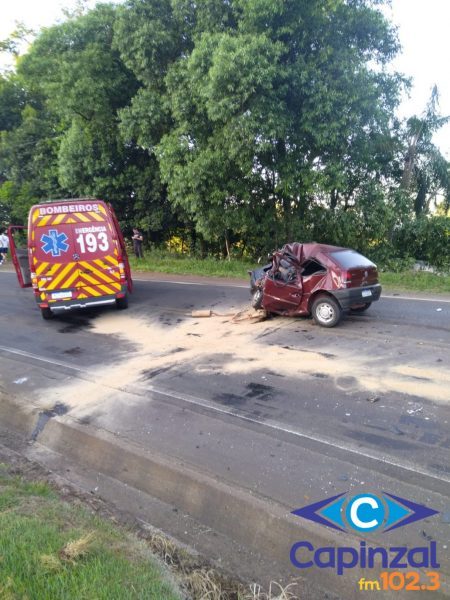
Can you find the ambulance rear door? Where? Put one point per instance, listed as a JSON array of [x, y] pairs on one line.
[[75, 255], [19, 254]]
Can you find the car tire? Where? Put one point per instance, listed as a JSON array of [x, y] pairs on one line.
[[326, 311], [46, 313], [361, 308], [257, 299], [122, 303]]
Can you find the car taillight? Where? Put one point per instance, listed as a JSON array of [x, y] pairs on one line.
[[346, 278]]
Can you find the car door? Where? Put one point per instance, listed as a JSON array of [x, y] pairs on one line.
[[282, 295]]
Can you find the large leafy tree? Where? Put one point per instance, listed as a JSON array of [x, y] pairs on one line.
[[253, 107], [82, 83]]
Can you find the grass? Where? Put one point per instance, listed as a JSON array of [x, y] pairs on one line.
[[165, 262], [50, 549], [416, 281]]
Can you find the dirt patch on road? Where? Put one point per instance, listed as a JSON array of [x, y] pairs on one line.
[[180, 342]]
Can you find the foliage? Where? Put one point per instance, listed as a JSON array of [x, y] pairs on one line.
[[236, 125], [50, 549]]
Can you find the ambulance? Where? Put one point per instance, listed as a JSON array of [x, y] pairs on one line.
[[74, 256]]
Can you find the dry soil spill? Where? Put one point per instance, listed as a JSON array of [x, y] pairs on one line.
[[188, 343]]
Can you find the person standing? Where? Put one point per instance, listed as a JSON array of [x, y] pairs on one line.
[[4, 245], [137, 243]]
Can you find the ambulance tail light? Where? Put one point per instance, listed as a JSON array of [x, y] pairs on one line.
[[121, 266], [34, 282]]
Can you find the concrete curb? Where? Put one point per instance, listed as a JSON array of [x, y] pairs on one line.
[[260, 525]]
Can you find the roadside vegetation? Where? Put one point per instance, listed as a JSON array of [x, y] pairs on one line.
[[232, 127], [402, 279], [74, 547], [53, 549]]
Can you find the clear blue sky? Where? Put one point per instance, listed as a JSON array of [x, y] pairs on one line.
[[422, 27]]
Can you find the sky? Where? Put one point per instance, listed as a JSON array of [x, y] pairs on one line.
[[422, 29]]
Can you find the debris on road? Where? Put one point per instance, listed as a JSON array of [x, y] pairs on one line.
[[373, 399], [254, 316]]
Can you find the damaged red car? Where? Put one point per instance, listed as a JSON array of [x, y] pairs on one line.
[[315, 279]]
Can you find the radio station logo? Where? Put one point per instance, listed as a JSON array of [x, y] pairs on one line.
[[365, 513]]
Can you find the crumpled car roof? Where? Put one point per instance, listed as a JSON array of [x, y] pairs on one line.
[[301, 252]]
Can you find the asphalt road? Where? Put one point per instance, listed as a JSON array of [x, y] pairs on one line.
[[282, 408]]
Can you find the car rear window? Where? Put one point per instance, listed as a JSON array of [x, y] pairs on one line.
[[349, 259]]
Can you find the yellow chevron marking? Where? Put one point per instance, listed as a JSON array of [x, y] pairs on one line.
[[44, 221], [43, 296], [63, 273], [89, 278], [82, 217], [102, 209], [68, 282], [41, 267], [96, 216], [82, 296], [106, 289], [96, 272], [35, 216], [99, 262], [71, 220], [112, 260], [58, 219], [92, 291]]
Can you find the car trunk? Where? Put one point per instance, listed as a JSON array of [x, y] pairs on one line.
[[359, 276]]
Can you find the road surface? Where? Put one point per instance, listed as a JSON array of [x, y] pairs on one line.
[[282, 409]]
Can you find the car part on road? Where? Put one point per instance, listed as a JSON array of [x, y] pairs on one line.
[[257, 298]]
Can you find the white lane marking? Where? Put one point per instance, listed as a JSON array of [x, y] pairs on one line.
[[209, 284], [438, 300], [247, 287], [266, 424], [40, 358], [279, 427]]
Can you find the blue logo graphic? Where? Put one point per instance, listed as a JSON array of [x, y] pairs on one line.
[[54, 242], [365, 512]]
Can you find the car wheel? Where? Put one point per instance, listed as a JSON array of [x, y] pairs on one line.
[[361, 307], [46, 313], [326, 311], [122, 303], [257, 299]]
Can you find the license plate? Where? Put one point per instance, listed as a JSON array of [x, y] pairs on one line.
[[61, 295], [366, 293]]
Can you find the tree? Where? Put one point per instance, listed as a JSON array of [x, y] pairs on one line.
[[255, 107], [425, 173]]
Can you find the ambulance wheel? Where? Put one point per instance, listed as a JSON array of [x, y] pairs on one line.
[[122, 303], [46, 313]]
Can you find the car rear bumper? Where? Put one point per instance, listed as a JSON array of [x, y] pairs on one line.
[[357, 296]]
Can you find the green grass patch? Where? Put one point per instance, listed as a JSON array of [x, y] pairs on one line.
[[165, 262], [50, 549], [416, 281]]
